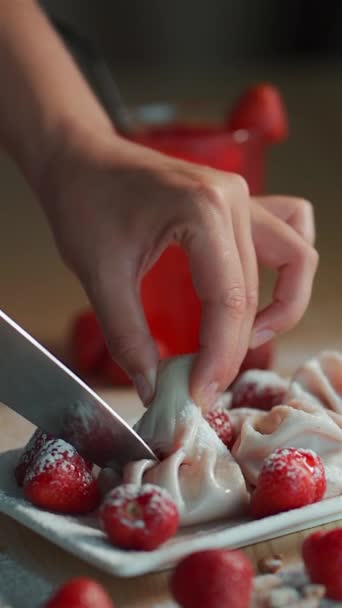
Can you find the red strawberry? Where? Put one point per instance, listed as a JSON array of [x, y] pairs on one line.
[[80, 593], [218, 419], [289, 478], [140, 518], [259, 389], [87, 343], [38, 439], [215, 578], [322, 554], [260, 108], [59, 480]]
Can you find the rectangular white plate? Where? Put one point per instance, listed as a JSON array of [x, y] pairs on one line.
[[82, 537]]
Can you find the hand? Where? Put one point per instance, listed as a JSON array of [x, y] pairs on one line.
[[115, 206], [293, 288]]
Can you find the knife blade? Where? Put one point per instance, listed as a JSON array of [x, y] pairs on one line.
[[36, 385]]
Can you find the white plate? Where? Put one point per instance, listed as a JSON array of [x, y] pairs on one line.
[[82, 537]]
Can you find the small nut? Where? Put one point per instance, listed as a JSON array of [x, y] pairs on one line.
[[314, 591], [310, 602], [271, 564], [284, 596], [265, 582]]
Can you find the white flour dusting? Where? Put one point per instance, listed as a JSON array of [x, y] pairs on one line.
[[261, 379]]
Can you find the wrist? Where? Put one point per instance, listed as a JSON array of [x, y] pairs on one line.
[[74, 149]]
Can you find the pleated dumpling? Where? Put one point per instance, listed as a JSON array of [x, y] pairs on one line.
[[196, 468], [319, 380], [299, 424]]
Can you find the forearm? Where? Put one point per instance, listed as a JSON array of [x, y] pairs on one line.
[[43, 94]]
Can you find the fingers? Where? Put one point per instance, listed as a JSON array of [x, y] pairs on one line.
[[279, 247], [296, 212], [228, 302], [243, 235], [115, 296]]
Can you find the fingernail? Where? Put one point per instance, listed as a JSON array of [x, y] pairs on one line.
[[208, 396], [145, 385], [260, 337]]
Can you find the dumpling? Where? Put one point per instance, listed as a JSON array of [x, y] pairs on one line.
[[319, 381], [239, 415], [298, 424], [196, 468]]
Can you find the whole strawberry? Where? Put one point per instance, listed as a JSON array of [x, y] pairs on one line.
[[80, 593], [215, 578], [59, 480], [30, 452], [260, 108], [260, 389], [139, 517], [218, 419], [87, 343], [289, 478], [322, 554]]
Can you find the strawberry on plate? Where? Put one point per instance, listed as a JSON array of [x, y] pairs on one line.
[[219, 420], [139, 517], [262, 109], [260, 389], [289, 478], [29, 454], [214, 578], [59, 480], [80, 593], [322, 554]]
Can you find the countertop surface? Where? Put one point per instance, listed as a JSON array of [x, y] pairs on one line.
[[43, 296]]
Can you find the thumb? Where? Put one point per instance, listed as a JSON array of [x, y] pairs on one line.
[[117, 302]]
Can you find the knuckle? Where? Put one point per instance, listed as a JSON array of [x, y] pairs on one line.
[[308, 256], [252, 298], [210, 192], [234, 300], [238, 184], [213, 194], [294, 313], [313, 258]]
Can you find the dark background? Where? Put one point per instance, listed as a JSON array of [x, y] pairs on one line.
[[186, 34]]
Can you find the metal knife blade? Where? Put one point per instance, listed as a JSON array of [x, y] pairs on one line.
[[44, 391]]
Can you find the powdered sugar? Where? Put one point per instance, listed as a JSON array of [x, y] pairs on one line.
[[261, 379], [288, 460], [35, 443], [260, 389], [54, 452], [159, 503]]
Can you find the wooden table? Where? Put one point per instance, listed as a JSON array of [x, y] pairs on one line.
[[41, 294]]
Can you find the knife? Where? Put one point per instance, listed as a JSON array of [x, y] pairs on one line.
[[40, 388]]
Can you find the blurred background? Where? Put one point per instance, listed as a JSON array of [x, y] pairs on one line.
[[202, 35], [208, 51]]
